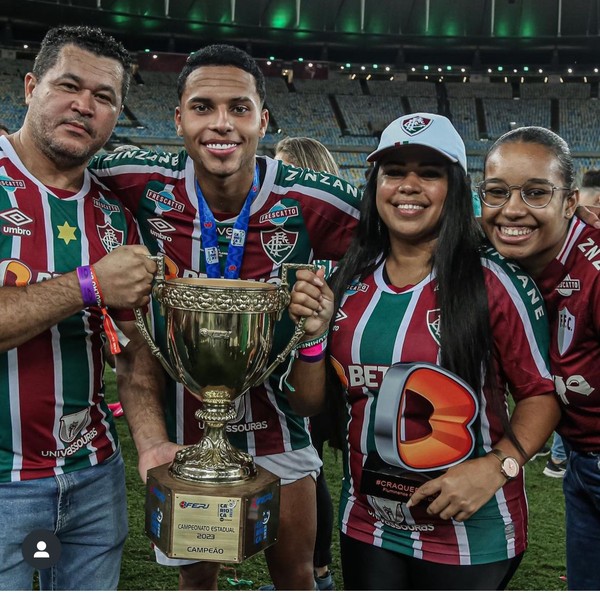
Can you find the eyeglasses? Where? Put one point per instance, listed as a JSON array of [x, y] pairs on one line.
[[536, 194]]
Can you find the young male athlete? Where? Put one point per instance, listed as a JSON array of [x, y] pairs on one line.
[[189, 206]]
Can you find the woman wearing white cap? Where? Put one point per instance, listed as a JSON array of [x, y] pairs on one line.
[[429, 326]]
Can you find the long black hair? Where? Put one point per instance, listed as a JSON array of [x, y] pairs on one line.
[[466, 342]]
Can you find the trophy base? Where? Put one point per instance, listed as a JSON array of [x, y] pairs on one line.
[[220, 522]]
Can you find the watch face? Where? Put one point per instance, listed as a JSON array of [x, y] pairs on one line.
[[510, 467]]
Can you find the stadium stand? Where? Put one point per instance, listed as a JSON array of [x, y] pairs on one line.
[[346, 115]]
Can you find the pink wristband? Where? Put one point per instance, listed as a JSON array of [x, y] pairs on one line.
[[86, 285], [317, 349], [314, 353]]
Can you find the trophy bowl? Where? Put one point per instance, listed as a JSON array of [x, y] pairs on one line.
[[219, 337]]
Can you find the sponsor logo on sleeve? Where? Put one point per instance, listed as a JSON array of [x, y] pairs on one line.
[[279, 214], [568, 286], [10, 185]]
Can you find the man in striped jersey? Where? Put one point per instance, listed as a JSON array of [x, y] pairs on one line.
[[291, 215], [61, 469]]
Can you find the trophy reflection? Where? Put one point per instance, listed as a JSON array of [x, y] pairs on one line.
[[213, 503]]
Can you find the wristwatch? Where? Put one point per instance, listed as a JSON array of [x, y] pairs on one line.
[[509, 466]]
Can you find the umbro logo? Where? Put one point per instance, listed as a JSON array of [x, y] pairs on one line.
[[15, 217], [161, 225]]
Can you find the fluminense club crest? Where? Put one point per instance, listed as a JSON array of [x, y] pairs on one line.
[[415, 125], [278, 244], [110, 237], [433, 324]]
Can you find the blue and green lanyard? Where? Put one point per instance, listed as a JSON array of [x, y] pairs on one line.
[[210, 241]]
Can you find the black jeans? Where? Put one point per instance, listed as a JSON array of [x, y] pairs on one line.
[[367, 567]]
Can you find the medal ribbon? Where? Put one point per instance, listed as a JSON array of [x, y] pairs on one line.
[[210, 241]]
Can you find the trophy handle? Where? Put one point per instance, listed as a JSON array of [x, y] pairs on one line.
[[298, 330], [142, 324]]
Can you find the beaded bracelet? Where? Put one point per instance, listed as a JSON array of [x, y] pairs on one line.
[[86, 285]]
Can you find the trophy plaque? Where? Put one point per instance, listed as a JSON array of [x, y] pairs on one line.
[[212, 503]]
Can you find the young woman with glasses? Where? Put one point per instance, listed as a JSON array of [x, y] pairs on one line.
[[529, 199]]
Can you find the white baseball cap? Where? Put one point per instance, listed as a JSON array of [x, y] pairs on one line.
[[425, 129]]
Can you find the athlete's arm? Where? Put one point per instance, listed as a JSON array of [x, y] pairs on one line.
[[141, 383], [312, 298], [124, 275]]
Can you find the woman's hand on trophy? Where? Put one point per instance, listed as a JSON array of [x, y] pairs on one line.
[[125, 276], [311, 298]]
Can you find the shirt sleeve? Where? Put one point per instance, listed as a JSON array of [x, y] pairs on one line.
[[520, 329]]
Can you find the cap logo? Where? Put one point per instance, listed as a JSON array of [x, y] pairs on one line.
[[415, 125]]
